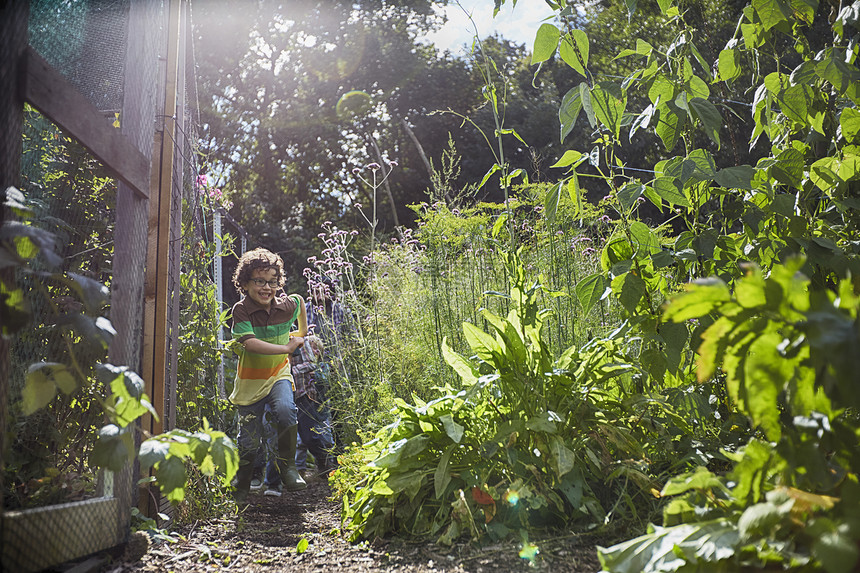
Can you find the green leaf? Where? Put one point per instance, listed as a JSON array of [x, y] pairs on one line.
[[546, 41], [823, 173], [645, 242], [170, 475], [642, 121], [442, 477], [587, 107], [629, 194], [608, 104], [111, 449], [772, 12], [568, 112], [496, 167], [570, 157], [738, 177], [551, 201], [484, 345], [849, 121], [671, 548], [701, 479], [562, 458], [669, 189], [590, 290], [765, 373], [40, 386], [452, 428], [577, 40], [729, 65], [152, 451], [789, 167], [837, 551], [701, 298], [302, 545], [709, 116], [670, 124], [795, 101], [461, 366], [543, 422]]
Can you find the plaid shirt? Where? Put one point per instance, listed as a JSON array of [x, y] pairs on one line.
[[304, 362]]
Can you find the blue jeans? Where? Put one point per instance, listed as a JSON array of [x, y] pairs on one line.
[[314, 434], [252, 428]]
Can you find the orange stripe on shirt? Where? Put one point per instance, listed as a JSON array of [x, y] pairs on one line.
[[246, 372]]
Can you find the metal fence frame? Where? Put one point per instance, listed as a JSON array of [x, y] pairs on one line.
[[144, 302]]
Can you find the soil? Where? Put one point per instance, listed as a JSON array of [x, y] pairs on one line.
[[265, 535]]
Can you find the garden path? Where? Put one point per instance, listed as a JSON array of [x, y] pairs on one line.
[[264, 537]]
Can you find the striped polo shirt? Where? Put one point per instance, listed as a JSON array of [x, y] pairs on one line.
[[257, 373]]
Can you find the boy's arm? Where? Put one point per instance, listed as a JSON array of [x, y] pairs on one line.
[[258, 346]]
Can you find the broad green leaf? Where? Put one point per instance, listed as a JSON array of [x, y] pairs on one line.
[[701, 479], [632, 291], [590, 290], [772, 12], [587, 107], [570, 157], [670, 124], [849, 167], [442, 477], [484, 345], [823, 173], [789, 167], [629, 194], [794, 103], [568, 111], [669, 188], [700, 298], [759, 520], [39, 387], [738, 177], [645, 242], [551, 201], [302, 545], [833, 69], [849, 121], [608, 104], [93, 294], [171, 477], [111, 449], [574, 50], [152, 451], [546, 41], [452, 428], [461, 366], [729, 65], [766, 373], [709, 116], [562, 458], [672, 548]]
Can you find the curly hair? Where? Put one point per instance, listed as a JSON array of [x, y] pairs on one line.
[[257, 259]]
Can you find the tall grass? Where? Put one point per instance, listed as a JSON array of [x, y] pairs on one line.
[[417, 288]]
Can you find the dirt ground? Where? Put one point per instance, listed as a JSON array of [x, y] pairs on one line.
[[265, 536]]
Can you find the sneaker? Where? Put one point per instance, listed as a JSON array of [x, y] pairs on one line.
[[256, 484], [273, 491]]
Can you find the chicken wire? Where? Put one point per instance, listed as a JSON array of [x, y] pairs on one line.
[[56, 507]]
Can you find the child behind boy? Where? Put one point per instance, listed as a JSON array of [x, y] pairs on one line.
[[314, 432], [261, 324]]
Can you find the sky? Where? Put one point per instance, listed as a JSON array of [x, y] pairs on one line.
[[518, 24]]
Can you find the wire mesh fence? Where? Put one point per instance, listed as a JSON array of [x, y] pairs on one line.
[[56, 506]]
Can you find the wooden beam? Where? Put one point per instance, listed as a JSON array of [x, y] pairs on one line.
[[156, 292], [49, 92]]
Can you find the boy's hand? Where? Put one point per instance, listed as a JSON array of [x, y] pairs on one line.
[[295, 342]]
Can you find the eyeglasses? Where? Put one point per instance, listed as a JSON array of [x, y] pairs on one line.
[[260, 282]]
